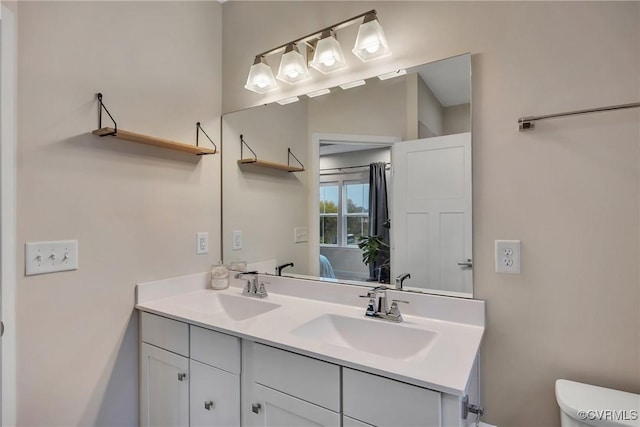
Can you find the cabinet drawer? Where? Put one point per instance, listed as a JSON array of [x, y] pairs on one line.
[[383, 402], [215, 349], [165, 333], [306, 378]]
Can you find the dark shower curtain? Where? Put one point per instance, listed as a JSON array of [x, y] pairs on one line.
[[379, 219]]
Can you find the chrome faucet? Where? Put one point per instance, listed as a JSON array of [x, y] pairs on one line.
[[377, 306], [251, 288], [400, 280]]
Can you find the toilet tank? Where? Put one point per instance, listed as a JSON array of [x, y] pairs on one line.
[[588, 405]]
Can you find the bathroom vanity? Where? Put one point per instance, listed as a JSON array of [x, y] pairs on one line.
[[304, 355]]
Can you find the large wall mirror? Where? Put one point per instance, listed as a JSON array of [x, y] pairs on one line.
[[385, 194]]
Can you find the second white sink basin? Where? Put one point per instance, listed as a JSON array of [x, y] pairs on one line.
[[369, 335], [235, 307]]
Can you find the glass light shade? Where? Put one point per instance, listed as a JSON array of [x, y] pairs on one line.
[[260, 78], [371, 43], [328, 56], [293, 68]]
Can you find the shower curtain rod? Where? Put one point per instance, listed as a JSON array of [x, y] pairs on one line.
[[526, 123], [351, 167]]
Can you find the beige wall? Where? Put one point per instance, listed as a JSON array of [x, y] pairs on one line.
[[265, 204], [350, 111], [456, 119], [569, 190], [134, 209]]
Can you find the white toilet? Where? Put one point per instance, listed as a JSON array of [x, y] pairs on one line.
[[584, 405]]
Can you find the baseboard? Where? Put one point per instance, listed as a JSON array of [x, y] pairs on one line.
[[486, 425]]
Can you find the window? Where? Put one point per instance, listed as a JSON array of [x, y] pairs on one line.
[[344, 212], [329, 204]]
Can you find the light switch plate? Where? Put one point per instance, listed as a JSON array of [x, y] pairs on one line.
[[49, 257], [508, 256]]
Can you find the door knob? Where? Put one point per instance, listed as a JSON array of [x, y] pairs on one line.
[[209, 405], [181, 377], [255, 407]]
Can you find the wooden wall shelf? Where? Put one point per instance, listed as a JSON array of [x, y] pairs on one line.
[[270, 165], [114, 132], [265, 164], [150, 140]]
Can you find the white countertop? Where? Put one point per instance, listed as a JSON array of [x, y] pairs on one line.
[[446, 366]]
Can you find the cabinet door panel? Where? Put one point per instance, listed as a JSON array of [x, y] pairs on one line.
[[215, 396], [281, 410], [387, 403], [164, 333], [307, 378], [350, 422], [215, 349], [164, 398]]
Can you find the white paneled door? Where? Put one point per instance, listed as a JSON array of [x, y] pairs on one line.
[[8, 215], [431, 216]]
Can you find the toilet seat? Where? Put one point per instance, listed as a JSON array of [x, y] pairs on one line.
[[575, 398]]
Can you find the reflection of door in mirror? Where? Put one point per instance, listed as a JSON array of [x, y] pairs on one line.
[[432, 213]]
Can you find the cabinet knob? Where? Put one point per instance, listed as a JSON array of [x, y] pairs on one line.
[[255, 407], [182, 377], [209, 405]]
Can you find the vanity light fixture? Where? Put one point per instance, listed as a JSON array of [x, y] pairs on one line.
[[293, 68], [318, 93], [260, 78], [387, 76], [371, 43], [288, 100], [355, 83], [328, 56]]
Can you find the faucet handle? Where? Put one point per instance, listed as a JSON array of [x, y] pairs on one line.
[[394, 311]]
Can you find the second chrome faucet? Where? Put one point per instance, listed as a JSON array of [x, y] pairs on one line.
[[251, 288], [377, 305]]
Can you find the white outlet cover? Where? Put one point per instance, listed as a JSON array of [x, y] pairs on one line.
[[300, 234], [202, 243], [507, 256], [50, 257], [236, 242]]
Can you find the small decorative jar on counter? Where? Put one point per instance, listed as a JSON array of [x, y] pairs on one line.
[[219, 276]]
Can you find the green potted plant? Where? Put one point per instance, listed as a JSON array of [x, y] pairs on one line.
[[373, 248]]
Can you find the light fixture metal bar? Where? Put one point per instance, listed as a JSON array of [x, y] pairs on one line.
[[334, 27], [526, 123]]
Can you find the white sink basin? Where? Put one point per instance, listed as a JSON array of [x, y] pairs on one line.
[[236, 307], [369, 335]]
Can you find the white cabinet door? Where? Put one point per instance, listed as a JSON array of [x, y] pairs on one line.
[[384, 402], [164, 388], [282, 410], [351, 422], [215, 396]]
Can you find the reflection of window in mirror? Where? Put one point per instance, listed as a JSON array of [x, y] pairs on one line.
[[329, 205], [344, 211]]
